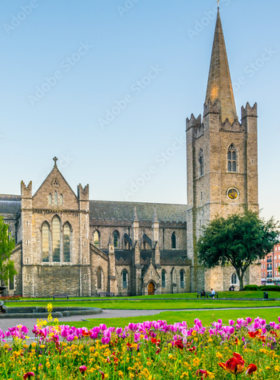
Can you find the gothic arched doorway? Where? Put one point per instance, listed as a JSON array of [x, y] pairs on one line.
[[151, 289]]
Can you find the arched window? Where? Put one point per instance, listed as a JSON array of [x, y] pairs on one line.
[[56, 239], [125, 279], [234, 279], [56, 198], [201, 163], [173, 240], [45, 243], [66, 243], [96, 238], [61, 200], [12, 283], [50, 199], [182, 279], [116, 239], [232, 158], [163, 278], [99, 278]]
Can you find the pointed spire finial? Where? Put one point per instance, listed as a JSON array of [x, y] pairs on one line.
[[135, 216], [155, 219], [219, 85], [55, 160], [218, 1]]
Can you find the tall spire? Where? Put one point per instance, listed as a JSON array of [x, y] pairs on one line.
[[219, 81]]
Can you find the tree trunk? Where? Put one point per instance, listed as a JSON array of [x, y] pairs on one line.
[[241, 282]]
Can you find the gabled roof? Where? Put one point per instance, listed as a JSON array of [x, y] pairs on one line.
[[145, 211], [10, 204]]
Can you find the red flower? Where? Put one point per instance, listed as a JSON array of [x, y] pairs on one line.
[[155, 341], [250, 369], [82, 369], [28, 375], [102, 375], [179, 343], [201, 372], [234, 365]]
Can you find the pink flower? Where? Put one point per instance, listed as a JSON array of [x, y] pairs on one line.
[[28, 375], [82, 369]]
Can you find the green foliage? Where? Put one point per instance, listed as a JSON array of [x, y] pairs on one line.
[[7, 244], [272, 288], [252, 287], [239, 240]]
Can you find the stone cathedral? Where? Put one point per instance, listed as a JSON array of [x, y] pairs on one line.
[[66, 243]]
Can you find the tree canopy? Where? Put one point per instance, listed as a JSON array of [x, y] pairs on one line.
[[7, 244], [239, 240]]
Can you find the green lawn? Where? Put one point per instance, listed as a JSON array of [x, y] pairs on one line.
[[207, 317], [152, 305], [258, 294]]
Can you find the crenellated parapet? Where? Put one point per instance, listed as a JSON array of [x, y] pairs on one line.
[[83, 193], [26, 191], [249, 111], [193, 122], [236, 127], [212, 108]]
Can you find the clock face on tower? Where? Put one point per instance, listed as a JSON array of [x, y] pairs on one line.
[[233, 194]]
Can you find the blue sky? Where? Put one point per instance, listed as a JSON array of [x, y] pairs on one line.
[[106, 86]]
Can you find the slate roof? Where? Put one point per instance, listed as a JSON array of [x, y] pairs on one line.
[[145, 211], [167, 257], [10, 204]]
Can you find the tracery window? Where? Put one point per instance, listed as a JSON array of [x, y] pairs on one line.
[[125, 278], [56, 239], [232, 158], [173, 240], [96, 239], [56, 198], [116, 239], [163, 278], [45, 243], [182, 278], [99, 278], [234, 279], [66, 243], [201, 163]]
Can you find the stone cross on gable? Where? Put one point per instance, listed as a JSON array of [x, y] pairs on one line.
[[55, 160]]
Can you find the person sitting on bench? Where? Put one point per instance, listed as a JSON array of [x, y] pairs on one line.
[[212, 293], [202, 294]]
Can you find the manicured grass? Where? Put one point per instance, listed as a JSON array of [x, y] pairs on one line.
[[207, 317], [154, 305], [257, 294]]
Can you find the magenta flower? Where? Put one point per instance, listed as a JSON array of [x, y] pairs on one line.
[[82, 369], [28, 375]]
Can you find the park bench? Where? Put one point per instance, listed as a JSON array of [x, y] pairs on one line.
[[60, 296], [103, 294], [199, 295]]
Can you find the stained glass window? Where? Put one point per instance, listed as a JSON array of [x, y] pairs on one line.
[[56, 237], [232, 158], [66, 243], [45, 242]]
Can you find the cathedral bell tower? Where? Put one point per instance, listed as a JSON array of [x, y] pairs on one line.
[[222, 164]]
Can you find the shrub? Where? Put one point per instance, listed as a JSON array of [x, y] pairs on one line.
[[271, 288], [251, 287]]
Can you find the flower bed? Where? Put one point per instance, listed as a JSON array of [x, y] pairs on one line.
[[150, 350]]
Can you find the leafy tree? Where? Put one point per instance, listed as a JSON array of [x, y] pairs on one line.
[[239, 240], [7, 244]]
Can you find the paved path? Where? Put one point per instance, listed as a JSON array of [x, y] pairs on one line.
[[109, 313]]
